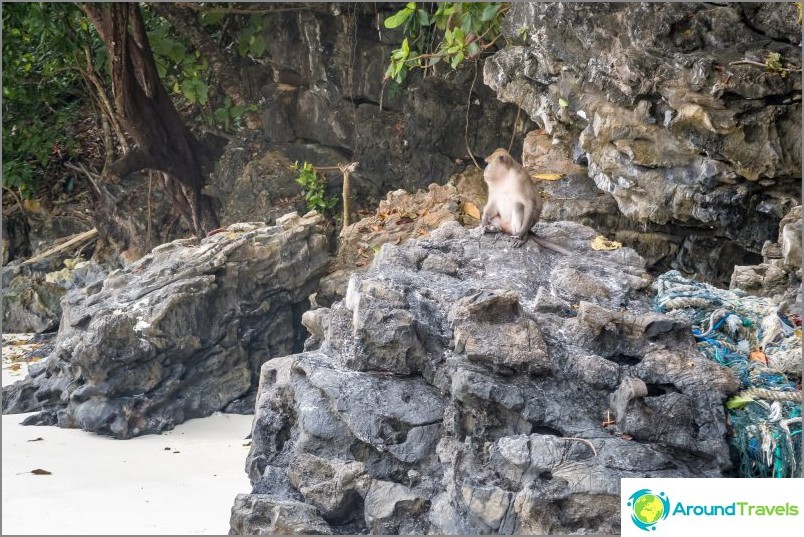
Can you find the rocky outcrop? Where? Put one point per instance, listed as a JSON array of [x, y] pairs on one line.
[[687, 117], [31, 305], [179, 334], [779, 275], [32, 293], [463, 386], [328, 91], [399, 217]]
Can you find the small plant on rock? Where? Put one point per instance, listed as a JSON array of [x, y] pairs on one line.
[[313, 187]]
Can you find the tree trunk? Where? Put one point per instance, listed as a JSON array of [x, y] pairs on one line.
[[143, 106]]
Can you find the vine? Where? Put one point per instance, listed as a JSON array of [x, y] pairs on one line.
[[455, 32]]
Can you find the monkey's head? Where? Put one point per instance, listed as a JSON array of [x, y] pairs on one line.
[[501, 156]]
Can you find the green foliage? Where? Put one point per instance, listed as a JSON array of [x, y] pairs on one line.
[[179, 65], [251, 39], [229, 116], [41, 89], [313, 187], [453, 33], [773, 64], [43, 48], [183, 69]]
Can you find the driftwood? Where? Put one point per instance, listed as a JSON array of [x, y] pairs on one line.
[[71, 241]]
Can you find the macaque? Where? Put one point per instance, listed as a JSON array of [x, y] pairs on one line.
[[514, 204]]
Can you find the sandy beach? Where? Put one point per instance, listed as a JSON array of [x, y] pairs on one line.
[[181, 482]]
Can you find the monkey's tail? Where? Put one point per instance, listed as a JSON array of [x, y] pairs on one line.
[[550, 245]]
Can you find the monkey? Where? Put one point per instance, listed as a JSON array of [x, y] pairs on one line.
[[515, 204]]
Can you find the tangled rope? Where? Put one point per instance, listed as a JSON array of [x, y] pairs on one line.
[[748, 335]]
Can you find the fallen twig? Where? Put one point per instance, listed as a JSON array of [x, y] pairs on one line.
[[72, 241]]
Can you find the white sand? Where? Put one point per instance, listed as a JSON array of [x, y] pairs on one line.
[[104, 486]]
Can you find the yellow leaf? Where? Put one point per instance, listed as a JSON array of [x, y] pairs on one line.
[[32, 206], [547, 176], [602, 243], [471, 209]]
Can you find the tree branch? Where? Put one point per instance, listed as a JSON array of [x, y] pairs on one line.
[[129, 163], [237, 11]]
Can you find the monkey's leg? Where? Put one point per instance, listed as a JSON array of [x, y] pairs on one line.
[[522, 215]]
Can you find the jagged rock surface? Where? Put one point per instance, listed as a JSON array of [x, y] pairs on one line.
[[32, 294], [402, 216], [779, 275], [699, 150], [328, 87], [179, 334], [463, 386]]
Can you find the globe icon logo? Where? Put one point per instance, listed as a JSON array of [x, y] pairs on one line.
[[648, 508]]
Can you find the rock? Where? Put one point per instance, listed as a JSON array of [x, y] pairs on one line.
[[659, 124], [400, 217], [255, 183], [391, 509], [33, 292], [790, 238], [462, 386], [180, 333], [778, 276], [328, 90], [31, 305], [261, 514]]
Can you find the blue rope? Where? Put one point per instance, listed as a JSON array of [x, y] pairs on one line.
[[724, 349]]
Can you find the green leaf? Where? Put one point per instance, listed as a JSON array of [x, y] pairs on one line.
[[258, 46], [221, 116], [424, 18], [237, 111], [405, 47], [189, 91], [202, 91], [737, 402], [466, 23], [489, 12], [211, 18], [398, 19], [456, 60], [562, 103], [473, 49]]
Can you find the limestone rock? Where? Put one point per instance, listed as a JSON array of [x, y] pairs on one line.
[[660, 122], [462, 386], [179, 334]]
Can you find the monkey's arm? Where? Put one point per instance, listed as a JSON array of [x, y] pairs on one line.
[[489, 212]]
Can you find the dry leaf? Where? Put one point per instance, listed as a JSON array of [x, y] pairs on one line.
[[602, 243], [404, 220], [758, 356], [626, 436], [547, 176], [15, 367], [471, 209], [39, 471], [375, 228]]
